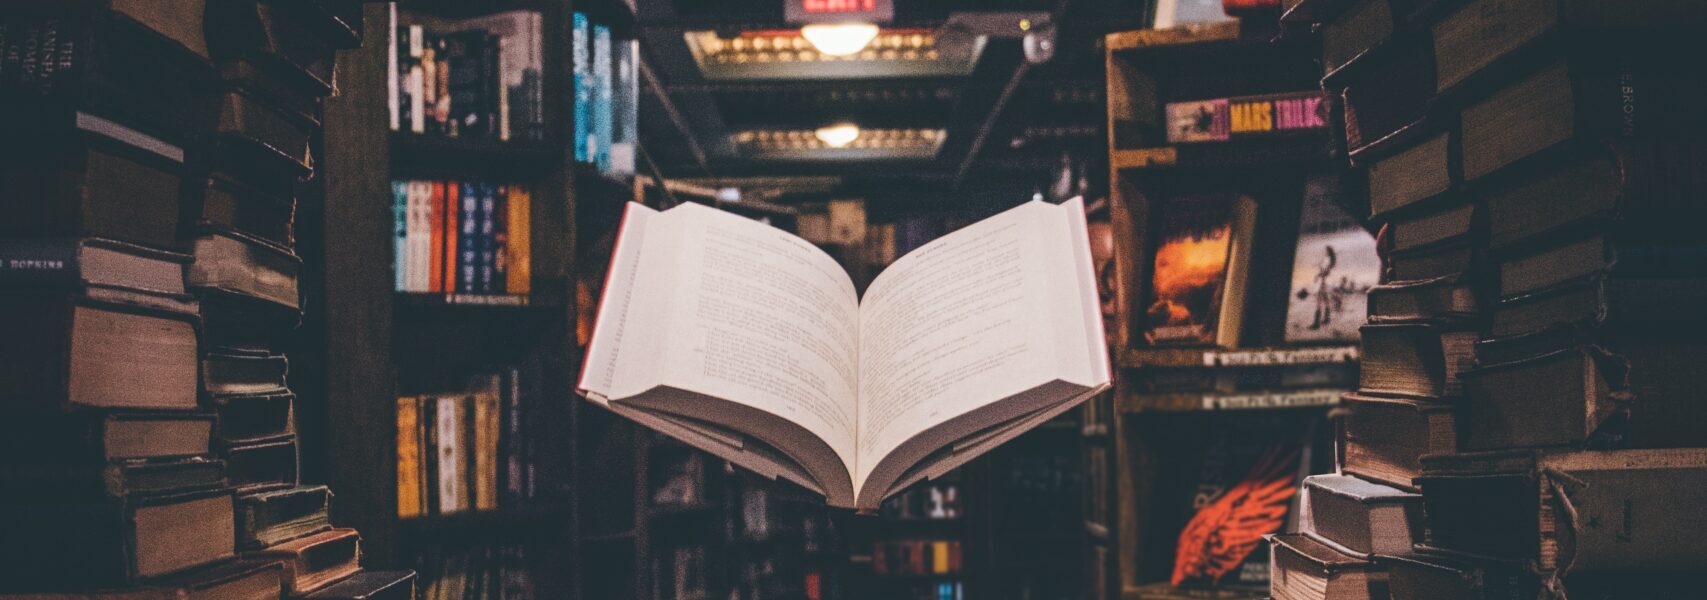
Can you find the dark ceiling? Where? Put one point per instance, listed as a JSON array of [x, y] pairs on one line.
[[1020, 135]]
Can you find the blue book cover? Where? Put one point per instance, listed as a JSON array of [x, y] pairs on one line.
[[602, 85], [400, 246], [467, 240], [581, 54]]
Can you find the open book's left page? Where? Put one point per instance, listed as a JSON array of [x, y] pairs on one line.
[[707, 308]]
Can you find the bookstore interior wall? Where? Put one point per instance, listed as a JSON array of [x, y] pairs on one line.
[[1401, 298]]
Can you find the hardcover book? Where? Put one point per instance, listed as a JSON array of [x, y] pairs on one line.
[[1563, 511], [1384, 439], [371, 585], [1358, 517], [1333, 269], [955, 348], [313, 562], [62, 349], [1305, 569], [116, 182], [114, 541], [270, 518], [1199, 266]]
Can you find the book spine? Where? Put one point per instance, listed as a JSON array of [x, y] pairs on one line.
[[40, 260], [463, 53], [408, 458], [435, 207], [582, 55], [510, 395], [430, 451], [519, 271], [486, 462], [416, 83], [403, 216], [393, 71], [487, 247], [467, 241], [500, 240], [492, 82], [451, 466], [602, 59]]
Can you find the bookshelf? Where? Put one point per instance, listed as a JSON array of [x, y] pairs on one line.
[[376, 344], [1151, 446]]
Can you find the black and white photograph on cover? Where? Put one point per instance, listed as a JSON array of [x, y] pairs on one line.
[[852, 299]]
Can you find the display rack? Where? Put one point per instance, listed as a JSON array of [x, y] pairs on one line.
[[1145, 442]]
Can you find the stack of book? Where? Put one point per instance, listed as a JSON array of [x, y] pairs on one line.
[[468, 241], [472, 78], [150, 283], [465, 451], [1528, 356]]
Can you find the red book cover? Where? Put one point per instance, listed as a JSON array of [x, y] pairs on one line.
[[436, 266], [445, 256]]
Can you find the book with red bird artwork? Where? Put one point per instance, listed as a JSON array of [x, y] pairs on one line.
[[1247, 489]]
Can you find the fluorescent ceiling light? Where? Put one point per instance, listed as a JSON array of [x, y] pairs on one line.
[[838, 136], [839, 39]]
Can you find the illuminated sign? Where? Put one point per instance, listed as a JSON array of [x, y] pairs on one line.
[[823, 11]]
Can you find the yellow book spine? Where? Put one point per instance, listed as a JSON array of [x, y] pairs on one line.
[[520, 228], [408, 458], [485, 452], [939, 557]]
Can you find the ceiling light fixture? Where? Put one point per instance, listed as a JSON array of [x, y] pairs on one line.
[[838, 136], [839, 39]]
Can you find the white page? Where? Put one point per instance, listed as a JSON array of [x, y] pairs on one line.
[[756, 316], [982, 314]]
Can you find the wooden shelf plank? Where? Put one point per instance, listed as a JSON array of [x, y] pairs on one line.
[[1244, 357], [1237, 401], [1184, 35]]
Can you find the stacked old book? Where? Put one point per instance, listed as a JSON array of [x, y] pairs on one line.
[[151, 150], [1528, 360]]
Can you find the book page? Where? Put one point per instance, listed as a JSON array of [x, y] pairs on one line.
[[983, 314], [759, 317]]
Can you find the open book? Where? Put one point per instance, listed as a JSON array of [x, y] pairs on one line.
[[752, 344]]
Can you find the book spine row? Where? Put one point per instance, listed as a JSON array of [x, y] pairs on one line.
[[477, 573], [477, 78], [462, 238], [464, 452]]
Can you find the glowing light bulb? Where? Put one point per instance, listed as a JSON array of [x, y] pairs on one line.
[[839, 39], [838, 136]]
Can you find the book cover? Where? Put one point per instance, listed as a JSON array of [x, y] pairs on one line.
[[1333, 269], [1196, 290], [1246, 479], [581, 54]]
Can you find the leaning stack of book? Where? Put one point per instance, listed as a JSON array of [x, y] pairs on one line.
[[148, 181], [1530, 355]]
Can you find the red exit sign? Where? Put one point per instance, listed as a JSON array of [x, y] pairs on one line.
[[818, 11]]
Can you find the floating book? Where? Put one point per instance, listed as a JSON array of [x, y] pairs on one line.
[[752, 344]]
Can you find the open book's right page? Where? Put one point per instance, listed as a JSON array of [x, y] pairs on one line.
[[985, 314]]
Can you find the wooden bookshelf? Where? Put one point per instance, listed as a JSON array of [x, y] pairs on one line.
[[1137, 439], [374, 344]]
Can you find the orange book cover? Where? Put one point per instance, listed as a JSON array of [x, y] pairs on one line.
[[436, 264], [445, 258]]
